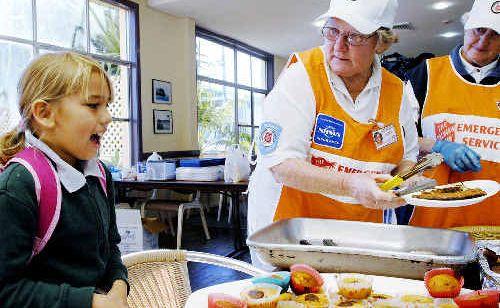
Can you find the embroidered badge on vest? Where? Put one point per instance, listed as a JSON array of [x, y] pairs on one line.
[[329, 131], [268, 137], [445, 131]]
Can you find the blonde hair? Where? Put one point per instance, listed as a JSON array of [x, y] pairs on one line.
[[49, 78], [386, 37]]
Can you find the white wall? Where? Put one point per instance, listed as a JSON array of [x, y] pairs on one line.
[[167, 45], [168, 52]]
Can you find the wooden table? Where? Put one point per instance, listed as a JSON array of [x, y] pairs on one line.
[[233, 189]]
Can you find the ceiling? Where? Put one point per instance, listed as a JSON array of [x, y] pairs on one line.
[[282, 26]]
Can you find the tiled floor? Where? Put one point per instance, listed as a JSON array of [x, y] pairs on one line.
[[203, 275]]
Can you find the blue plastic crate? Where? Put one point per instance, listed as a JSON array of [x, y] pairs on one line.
[[201, 162]]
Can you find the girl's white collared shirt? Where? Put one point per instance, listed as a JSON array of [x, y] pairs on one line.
[[70, 178]]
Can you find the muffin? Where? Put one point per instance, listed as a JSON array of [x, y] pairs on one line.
[[262, 295], [313, 300], [305, 279], [220, 300], [354, 286], [443, 283], [281, 279]]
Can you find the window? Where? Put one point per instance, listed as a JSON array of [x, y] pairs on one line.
[[233, 80], [105, 30]]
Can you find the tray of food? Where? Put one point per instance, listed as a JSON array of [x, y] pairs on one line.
[[454, 195], [369, 248]]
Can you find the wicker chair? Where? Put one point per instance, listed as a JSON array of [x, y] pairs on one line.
[[159, 278]]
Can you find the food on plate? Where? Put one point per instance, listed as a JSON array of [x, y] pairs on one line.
[[261, 295], [287, 296], [445, 303], [375, 297], [290, 304], [354, 286], [313, 300], [221, 300], [389, 303], [481, 298], [443, 283], [338, 300], [422, 301], [281, 279], [305, 279], [453, 192]]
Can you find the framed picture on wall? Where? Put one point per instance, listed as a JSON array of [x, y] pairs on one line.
[[163, 121], [162, 92]]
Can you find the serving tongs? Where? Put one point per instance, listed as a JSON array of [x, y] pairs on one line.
[[428, 161]]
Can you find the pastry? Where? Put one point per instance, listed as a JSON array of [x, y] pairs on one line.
[[305, 279], [443, 283], [354, 286], [262, 295], [220, 300], [281, 279], [313, 300]]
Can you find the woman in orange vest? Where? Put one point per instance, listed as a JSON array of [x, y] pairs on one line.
[[460, 99], [334, 122]]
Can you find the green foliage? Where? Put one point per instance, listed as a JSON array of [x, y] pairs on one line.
[[215, 125], [109, 41]]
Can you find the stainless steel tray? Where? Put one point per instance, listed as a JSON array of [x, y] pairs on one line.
[[370, 248]]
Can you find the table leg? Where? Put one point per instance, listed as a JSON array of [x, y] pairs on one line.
[[239, 244]]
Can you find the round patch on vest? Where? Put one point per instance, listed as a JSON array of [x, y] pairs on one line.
[[495, 8], [269, 136]]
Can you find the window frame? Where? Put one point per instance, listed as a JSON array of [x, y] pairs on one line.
[[133, 64], [236, 46]]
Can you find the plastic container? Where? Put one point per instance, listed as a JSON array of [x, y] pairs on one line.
[[201, 162]]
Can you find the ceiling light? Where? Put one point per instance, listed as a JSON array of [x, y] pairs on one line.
[[319, 23], [441, 5], [449, 34]]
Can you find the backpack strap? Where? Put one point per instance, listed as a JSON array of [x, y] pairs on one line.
[[102, 179], [48, 194]]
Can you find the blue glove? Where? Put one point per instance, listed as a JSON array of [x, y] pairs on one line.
[[458, 156]]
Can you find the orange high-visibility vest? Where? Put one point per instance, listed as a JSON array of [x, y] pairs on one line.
[[464, 112], [348, 148]]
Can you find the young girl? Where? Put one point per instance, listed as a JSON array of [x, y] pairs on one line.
[[63, 102]]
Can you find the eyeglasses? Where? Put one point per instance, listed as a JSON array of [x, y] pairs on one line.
[[354, 39], [484, 31]]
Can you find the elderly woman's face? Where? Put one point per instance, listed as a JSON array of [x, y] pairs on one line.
[[345, 59], [481, 46]]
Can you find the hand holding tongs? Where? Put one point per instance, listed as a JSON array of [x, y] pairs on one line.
[[428, 161]]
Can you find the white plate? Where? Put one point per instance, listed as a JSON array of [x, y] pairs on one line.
[[490, 187], [387, 285]]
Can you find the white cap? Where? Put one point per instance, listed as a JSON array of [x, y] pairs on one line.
[[366, 16], [484, 14]]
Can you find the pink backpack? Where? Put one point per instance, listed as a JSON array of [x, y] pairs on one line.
[[48, 192]]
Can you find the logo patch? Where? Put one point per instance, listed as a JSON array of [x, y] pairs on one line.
[[269, 136], [445, 131], [495, 8], [329, 131]]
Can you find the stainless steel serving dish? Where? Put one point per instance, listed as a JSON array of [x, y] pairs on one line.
[[370, 248]]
